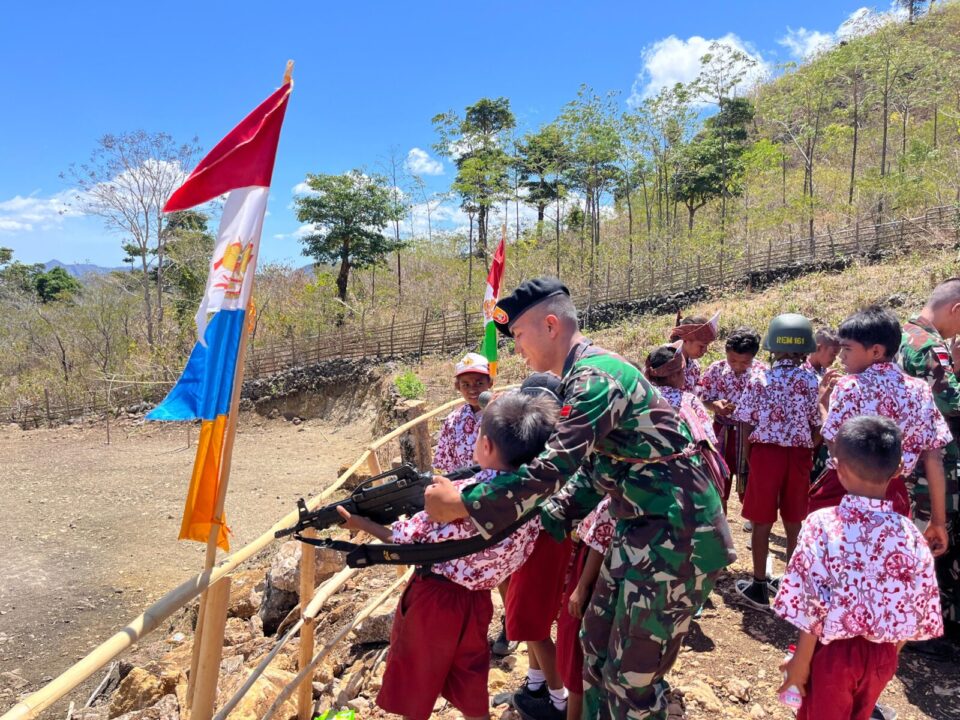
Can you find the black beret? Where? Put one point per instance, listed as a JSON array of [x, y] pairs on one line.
[[528, 294]]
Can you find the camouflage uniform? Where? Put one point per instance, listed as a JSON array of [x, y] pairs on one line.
[[924, 355], [618, 436]]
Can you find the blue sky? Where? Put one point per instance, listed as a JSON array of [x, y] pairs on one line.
[[369, 76]]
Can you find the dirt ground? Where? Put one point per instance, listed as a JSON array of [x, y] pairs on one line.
[[90, 530]]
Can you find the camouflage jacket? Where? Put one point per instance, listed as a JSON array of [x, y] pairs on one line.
[[924, 355], [611, 418]]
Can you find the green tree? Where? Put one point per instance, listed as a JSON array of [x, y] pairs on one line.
[[591, 132], [476, 142], [698, 177], [348, 214], [56, 284], [189, 247]]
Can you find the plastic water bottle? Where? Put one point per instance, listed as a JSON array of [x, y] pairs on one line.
[[791, 697]]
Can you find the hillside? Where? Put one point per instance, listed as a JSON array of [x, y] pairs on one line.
[[863, 133]]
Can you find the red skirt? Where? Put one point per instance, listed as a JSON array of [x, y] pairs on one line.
[[827, 491], [438, 646], [536, 589]]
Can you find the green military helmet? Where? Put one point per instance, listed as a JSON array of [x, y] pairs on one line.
[[790, 333]]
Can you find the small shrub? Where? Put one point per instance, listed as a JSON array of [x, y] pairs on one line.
[[409, 385]]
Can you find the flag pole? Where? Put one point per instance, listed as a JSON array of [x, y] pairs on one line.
[[229, 434]]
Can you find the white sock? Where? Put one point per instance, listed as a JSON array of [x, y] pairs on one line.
[[559, 698], [535, 679]]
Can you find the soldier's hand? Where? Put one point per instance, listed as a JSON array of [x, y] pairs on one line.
[[954, 348], [936, 536], [442, 501]]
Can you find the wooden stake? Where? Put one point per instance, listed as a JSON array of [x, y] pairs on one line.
[[307, 582], [211, 650]]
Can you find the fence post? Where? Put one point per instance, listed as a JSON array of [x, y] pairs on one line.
[[699, 274], [423, 330], [307, 582], [749, 269], [46, 402], [419, 433], [211, 650], [769, 253], [856, 234]]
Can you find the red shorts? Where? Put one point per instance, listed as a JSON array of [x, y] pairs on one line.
[[536, 590], [827, 491], [455, 662], [846, 678], [779, 480], [569, 649]]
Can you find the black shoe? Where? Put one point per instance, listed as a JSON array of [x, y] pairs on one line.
[[883, 712], [754, 592], [501, 646], [532, 708], [539, 694]]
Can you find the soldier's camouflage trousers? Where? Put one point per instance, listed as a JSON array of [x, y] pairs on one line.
[[632, 632], [948, 564]]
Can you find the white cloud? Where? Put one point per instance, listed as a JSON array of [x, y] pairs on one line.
[[299, 233], [671, 60], [419, 162], [804, 44], [301, 188], [32, 212]]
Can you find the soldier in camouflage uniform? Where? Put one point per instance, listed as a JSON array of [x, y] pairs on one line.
[[616, 436], [924, 355]]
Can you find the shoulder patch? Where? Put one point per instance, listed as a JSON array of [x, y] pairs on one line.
[[565, 411]]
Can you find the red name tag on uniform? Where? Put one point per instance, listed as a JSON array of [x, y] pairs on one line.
[[565, 411]]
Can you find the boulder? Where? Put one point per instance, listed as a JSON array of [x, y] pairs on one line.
[[285, 570], [237, 632], [757, 712], [246, 594], [261, 695], [376, 628], [167, 709], [738, 689], [699, 693], [276, 605], [137, 691]]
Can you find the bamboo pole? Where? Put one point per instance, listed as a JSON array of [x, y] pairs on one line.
[[226, 455], [211, 651], [307, 579]]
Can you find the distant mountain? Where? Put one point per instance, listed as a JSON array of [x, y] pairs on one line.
[[81, 269]]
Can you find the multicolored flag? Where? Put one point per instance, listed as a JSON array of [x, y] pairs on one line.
[[488, 347], [241, 164]]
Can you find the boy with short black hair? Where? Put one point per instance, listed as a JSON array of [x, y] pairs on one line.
[[874, 385], [721, 388], [781, 408], [458, 434], [860, 584], [828, 347], [449, 602]]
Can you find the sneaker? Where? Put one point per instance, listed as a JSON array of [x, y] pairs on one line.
[[531, 708], [747, 526], [541, 693], [501, 646], [755, 594], [699, 613], [883, 712]]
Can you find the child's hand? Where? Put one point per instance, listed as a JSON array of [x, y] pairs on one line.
[[578, 600], [797, 675], [827, 384], [725, 408], [936, 537], [349, 521]]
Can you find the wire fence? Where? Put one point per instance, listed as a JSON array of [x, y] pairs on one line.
[[445, 332]]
